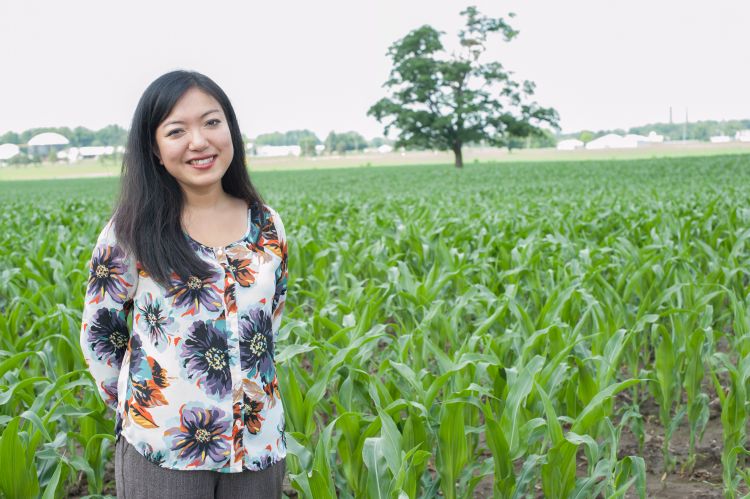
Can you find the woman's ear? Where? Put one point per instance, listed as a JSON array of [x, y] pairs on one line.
[[156, 153]]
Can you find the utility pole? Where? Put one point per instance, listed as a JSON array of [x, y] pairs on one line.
[[670, 115], [684, 127]]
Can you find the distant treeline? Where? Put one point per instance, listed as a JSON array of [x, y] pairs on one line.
[[307, 140], [699, 130], [353, 141], [115, 135], [110, 135], [337, 143]]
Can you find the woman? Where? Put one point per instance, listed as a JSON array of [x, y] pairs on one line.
[[200, 262]]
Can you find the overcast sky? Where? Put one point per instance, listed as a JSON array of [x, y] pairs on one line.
[[320, 64]]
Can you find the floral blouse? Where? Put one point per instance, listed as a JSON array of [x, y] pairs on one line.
[[193, 382]]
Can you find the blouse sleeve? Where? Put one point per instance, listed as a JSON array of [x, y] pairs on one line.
[[282, 275], [104, 331]]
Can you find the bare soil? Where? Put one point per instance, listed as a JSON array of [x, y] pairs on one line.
[[704, 481], [705, 478]]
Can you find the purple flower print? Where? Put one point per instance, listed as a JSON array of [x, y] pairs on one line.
[[194, 293], [201, 434], [256, 345], [156, 319], [108, 335], [106, 275], [206, 358]]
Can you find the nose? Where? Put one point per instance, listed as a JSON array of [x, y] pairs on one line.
[[197, 141]]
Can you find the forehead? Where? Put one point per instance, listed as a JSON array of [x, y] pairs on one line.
[[193, 104]]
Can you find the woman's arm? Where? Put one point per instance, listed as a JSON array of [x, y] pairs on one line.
[[113, 278], [282, 275]]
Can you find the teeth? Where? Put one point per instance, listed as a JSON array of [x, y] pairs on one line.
[[202, 161]]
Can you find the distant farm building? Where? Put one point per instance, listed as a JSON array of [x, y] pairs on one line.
[[610, 141], [95, 151], [89, 152], [742, 136], [385, 149], [274, 151], [42, 144], [8, 151], [629, 141], [720, 139], [655, 138], [569, 145]]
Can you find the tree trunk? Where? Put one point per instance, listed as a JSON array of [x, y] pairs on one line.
[[459, 155]]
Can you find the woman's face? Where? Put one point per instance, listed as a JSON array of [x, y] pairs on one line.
[[194, 142]]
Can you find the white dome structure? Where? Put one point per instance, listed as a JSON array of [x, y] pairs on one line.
[[48, 139], [44, 143]]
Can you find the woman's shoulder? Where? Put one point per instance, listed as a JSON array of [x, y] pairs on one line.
[[270, 221], [107, 232], [108, 237], [265, 214], [268, 210]]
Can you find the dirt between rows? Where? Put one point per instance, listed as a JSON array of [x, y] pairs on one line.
[[705, 479]]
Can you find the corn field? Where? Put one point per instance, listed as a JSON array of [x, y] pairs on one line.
[[535, 330]]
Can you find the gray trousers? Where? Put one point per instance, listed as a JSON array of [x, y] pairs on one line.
[[137, 478]]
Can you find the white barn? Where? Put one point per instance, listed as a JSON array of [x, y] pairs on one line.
[[609, 141], [569, 145], [75, 153], [655, 138], [271, 151], [632, 140]]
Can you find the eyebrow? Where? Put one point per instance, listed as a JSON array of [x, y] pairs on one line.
[[175, 122]]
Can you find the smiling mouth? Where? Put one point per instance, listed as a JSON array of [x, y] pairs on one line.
[[202, 162]]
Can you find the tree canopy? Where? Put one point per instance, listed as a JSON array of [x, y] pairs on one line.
[[344, 142], [290, 138], [444, 102]]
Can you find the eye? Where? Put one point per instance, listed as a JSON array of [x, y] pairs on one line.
[[174, 131], [213, 122]]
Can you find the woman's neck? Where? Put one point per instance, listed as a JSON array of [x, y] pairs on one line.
[[205, 200]]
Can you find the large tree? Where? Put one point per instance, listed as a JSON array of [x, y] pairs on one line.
[[444, 101]]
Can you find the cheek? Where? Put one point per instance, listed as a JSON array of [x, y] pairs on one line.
[[170, 158], [227, 146], [227, 140], [166, 152]]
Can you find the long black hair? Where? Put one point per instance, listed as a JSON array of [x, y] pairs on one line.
[[148, 214]]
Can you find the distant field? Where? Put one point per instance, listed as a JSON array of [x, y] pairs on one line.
[[549, 329], [96, 168]]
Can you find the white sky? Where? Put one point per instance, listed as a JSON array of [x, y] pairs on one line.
[[320, 65]]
